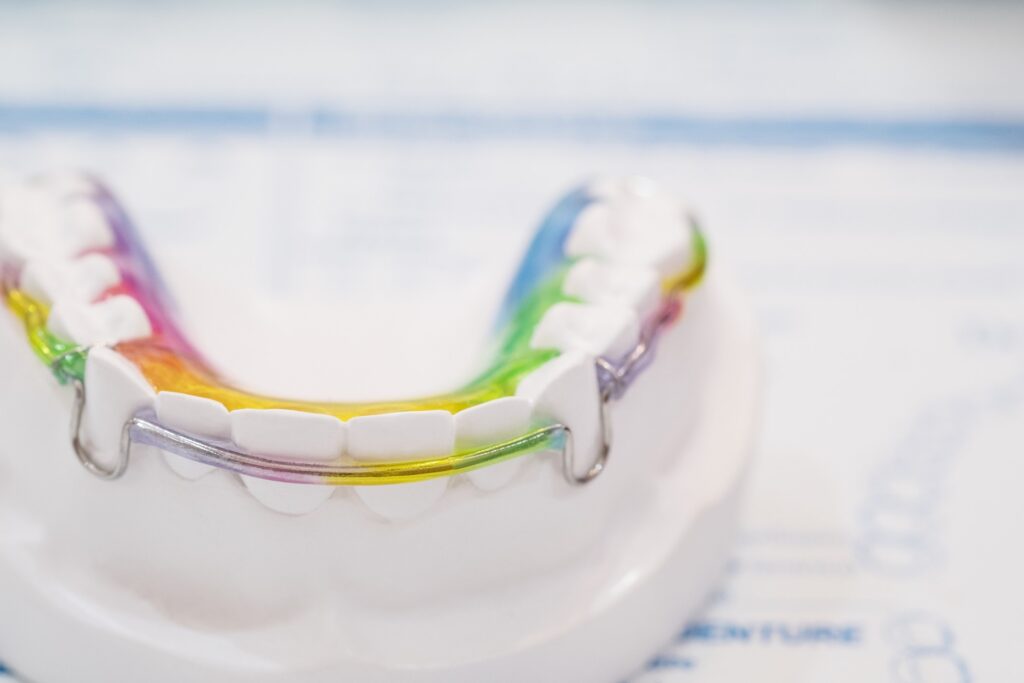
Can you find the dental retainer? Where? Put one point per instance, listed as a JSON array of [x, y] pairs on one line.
[[618, 350]]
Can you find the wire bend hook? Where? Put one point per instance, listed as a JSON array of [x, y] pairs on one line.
[[82, 452], [601, 461]]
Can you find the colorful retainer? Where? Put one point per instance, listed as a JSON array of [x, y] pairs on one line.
[[169, 362]]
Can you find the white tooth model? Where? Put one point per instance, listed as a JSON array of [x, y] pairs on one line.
[[557, 518]]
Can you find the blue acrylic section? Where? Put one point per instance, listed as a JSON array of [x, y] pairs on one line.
[[545, 253]]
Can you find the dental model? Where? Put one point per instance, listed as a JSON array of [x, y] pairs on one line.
[[555, 518]]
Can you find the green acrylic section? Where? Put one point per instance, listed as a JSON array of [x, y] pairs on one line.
[[65, 359], [514, 358]]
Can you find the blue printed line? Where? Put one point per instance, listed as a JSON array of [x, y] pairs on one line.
[[966, 134], [670, 662]]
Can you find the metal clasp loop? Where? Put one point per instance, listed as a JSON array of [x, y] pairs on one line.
[[569, 449], [84, 455]]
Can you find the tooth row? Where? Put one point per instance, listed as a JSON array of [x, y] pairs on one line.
[[117, 390], [563, 390], [51, 229], [632, 223], [308, 436], [45, 227], [627, 240]]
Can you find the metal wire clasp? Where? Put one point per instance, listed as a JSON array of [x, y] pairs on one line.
[[613, 380], [82, 452], [569, 448]]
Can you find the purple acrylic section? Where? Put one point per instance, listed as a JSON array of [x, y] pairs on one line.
[[140, 276], [615, 376]]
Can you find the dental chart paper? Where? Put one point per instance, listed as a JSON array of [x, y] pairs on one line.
[[880, 540]]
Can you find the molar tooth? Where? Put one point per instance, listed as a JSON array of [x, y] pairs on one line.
[[196, 415], [634, 231], [565, 390], [598, 282], [83, 279], [401, 436], [67, 184], [591, 230], [606, 188], [34, 224], [85, 226], [490, 423], [111, 321], [115, 391], [598, 330], [294, 435]]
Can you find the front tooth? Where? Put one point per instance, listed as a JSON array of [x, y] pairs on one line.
[[565, 390], [195, 415], [633, 231], [598, 330], [83, 279], [402, 436], [110, 321], [490, 423], [598, 282], [289, 434], [115, 391]]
